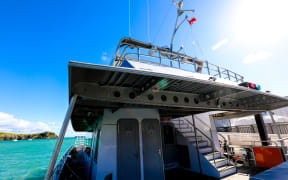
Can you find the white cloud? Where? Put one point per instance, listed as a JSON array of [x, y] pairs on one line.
[[8, 123], [255, 57], [219, 44], [104, 56]]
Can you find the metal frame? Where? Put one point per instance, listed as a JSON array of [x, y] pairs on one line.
[[126, 47], [60, 138]]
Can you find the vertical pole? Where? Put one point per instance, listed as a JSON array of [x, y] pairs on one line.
[[179, 62], [194, 64], [174, 32], [261, 129], [160, 57], [219, 72], [214, 135], [138, 53], [236, 77], [278, 128], [252, 129], [60, 138], [197, 145], [228, 74], [207, 65]]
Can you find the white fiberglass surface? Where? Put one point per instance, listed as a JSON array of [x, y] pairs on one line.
[[175, 71]]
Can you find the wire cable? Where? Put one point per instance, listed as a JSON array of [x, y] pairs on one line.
[[162, 22], [129, 21], [148, 21]]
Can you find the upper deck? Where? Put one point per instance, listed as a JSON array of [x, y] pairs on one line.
[[171, 90], [133, 50]]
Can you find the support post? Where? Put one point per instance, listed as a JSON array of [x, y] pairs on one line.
[[261, 129], [60, 138], [278, 128], [197, 145], [214, 134]]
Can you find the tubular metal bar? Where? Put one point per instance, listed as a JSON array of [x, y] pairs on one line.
[[213, 147], [197, 146], [278, 129], [60, 138], [140, 45]]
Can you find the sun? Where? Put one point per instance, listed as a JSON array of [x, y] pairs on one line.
[[261, 21]]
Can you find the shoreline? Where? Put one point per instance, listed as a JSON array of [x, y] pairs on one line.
[[18, 137]]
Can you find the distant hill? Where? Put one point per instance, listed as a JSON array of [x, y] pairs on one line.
[[12, 136]]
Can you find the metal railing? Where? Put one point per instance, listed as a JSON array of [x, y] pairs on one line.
[[59, 167], [229, 154], [82, 140], [271, 128], [142, 52], [197, 144]]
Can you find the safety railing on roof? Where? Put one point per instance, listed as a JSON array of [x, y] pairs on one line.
[[82, 140], [132, 50]]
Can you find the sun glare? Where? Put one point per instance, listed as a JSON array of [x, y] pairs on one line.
[[261, 21]]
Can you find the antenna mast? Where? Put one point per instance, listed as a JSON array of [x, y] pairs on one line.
[[179, 5]]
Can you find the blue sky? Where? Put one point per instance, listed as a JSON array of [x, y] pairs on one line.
[[38, 38]]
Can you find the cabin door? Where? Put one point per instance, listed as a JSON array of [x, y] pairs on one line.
[[128, 163], [152, 150]]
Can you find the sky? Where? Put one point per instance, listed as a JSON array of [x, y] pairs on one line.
[[39, 38]]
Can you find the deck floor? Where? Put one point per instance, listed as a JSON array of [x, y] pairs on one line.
[[184, 174], [243, 173]]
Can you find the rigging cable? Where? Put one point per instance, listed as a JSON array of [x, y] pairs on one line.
[[162, 22], [148, 21], [198, 46], [129, 21]]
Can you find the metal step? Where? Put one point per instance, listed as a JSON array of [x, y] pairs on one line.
[[171, 165], [209, 156], [178, 122], [181, 126], [189, 134], [206, 149], [192, 138], [184, 130], [226, 171], [219, 162], [200, 143]]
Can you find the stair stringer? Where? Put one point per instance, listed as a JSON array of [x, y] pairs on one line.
[[207, 168]]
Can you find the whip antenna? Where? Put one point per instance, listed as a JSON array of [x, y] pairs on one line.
[[148, 21], [129, 21], [180, 11]]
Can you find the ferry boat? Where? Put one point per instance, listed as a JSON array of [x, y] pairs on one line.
[[152, 116]]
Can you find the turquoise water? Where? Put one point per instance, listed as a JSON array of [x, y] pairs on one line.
[[28, 159]]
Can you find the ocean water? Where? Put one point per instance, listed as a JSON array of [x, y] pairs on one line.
[[28, 159]]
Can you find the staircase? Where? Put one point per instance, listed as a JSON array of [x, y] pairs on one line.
[[216, 159]]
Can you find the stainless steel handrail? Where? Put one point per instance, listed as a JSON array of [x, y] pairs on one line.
[[228, 149], [171, 56], [211, 142]]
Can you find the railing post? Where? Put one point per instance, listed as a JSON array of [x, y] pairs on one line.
[[60, 138], [194, 64], [197, 146], [236, 77], [171, 64], [228, 74], [207, 65], [219, 72], [138, 53], [278, 129], [252, 129], [179, 62], [160, 57], [213, 146]]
